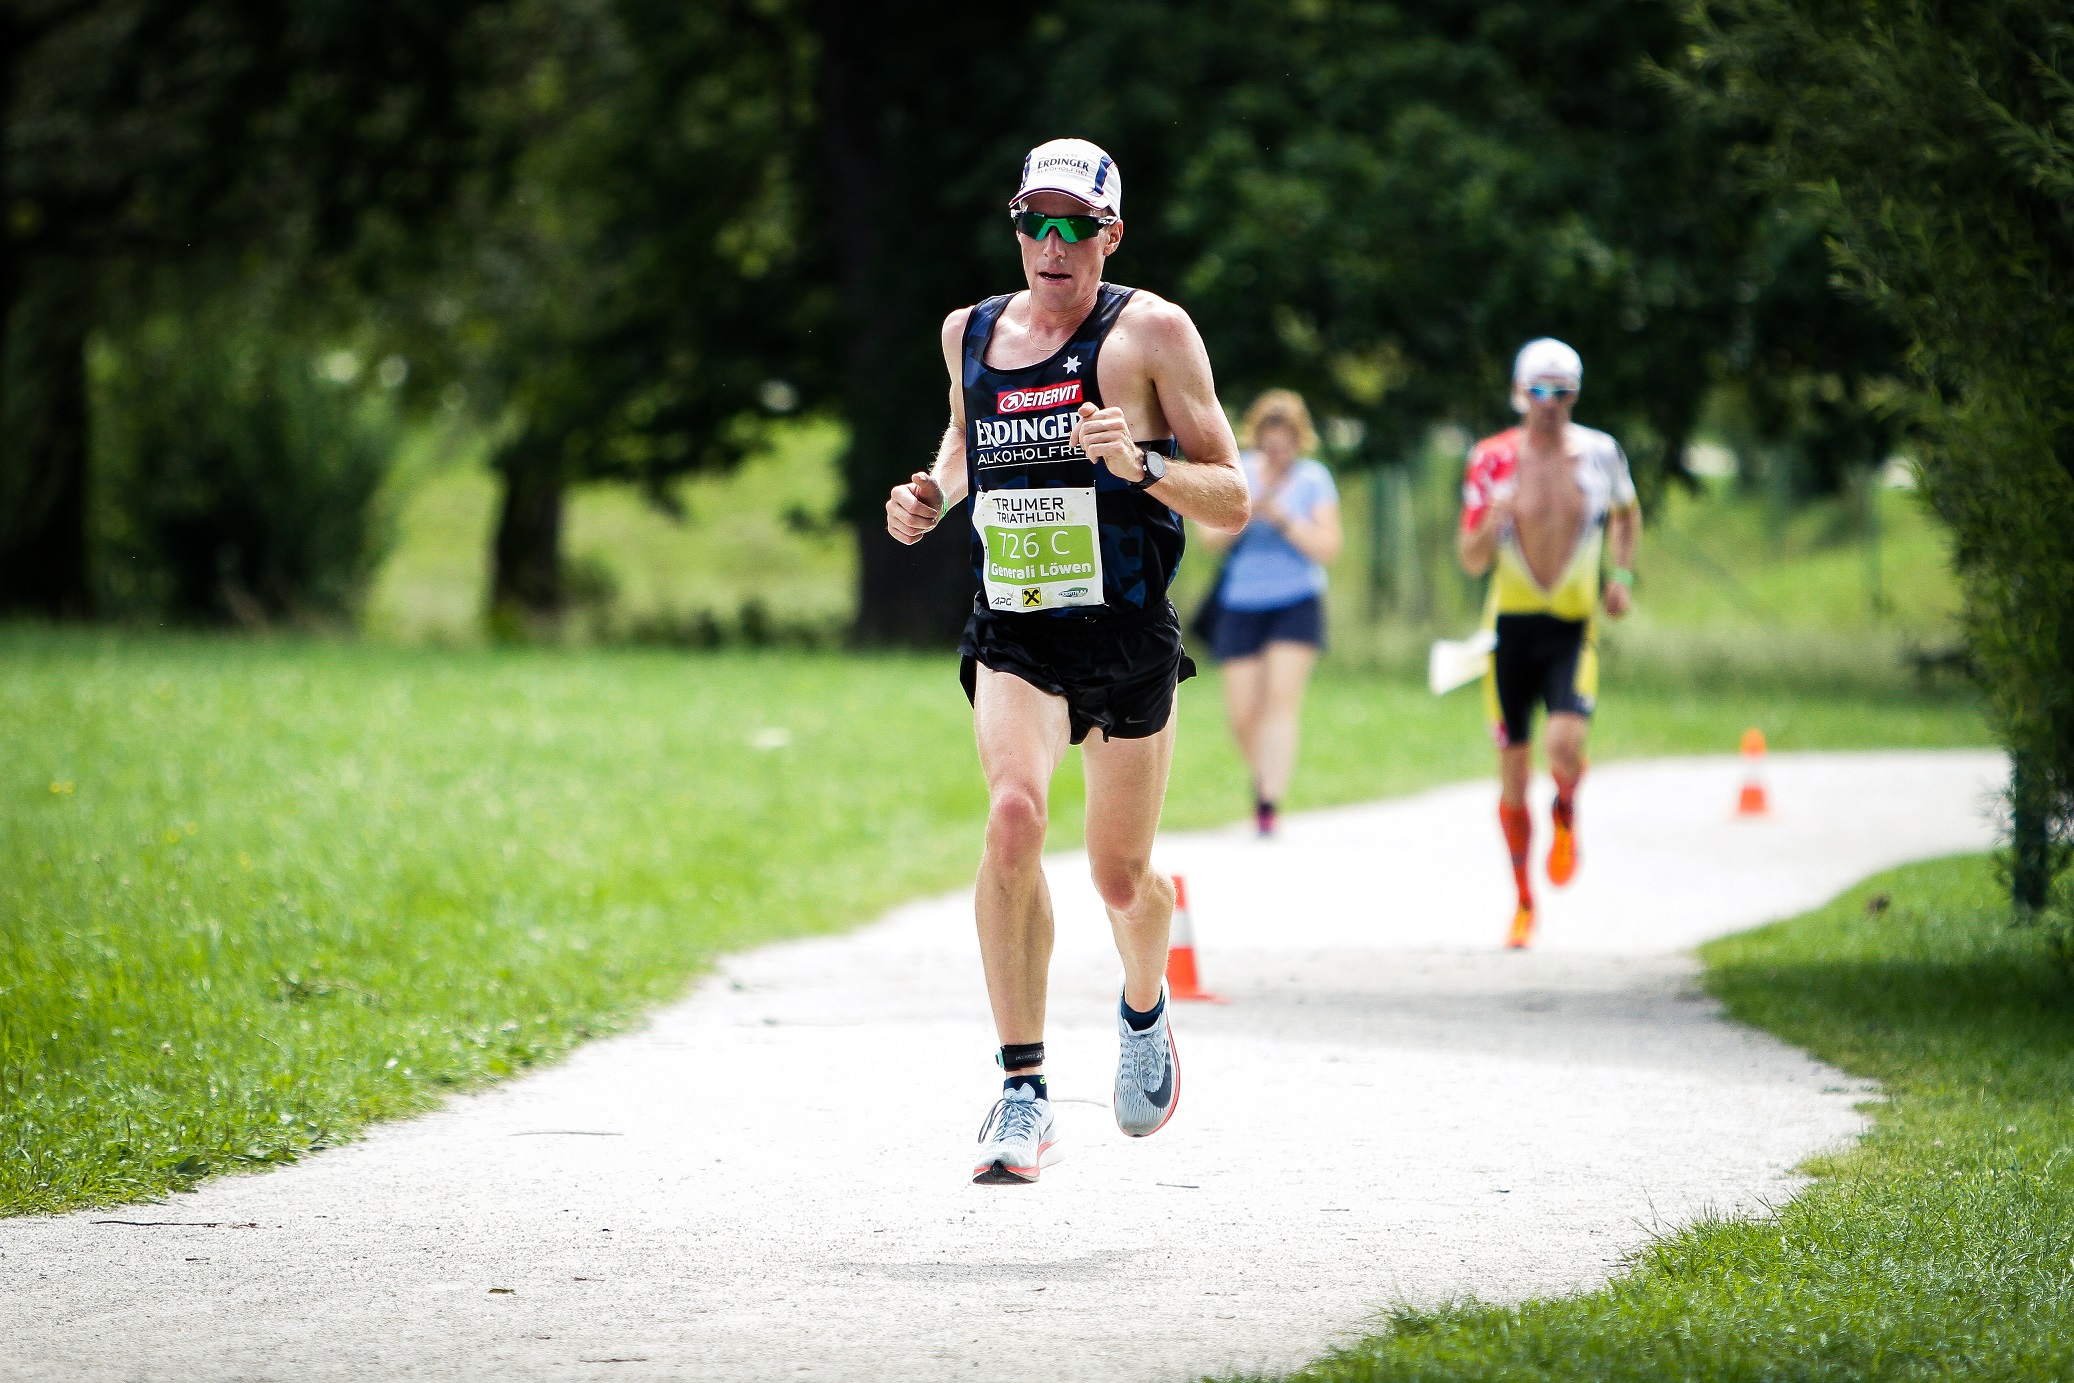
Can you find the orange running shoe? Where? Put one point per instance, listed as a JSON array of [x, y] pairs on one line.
[[1522, 928], [1562, 851]]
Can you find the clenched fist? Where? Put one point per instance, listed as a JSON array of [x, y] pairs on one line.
[[1104, 435], [914, 508]]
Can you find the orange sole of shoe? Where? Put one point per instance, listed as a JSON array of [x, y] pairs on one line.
[[1562, 858], [1522, 930]]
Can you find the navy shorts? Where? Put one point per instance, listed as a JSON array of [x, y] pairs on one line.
[[1539, 658], [1244, 633], [1117, 676]]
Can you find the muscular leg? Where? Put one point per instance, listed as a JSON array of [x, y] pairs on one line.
[[1566, 732], [1515, 766], [1245, 691], [1023, 733], [1126, 784], [1288, 672]]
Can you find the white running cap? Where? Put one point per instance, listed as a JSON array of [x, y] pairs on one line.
[[1078, 169], [1546, 358]]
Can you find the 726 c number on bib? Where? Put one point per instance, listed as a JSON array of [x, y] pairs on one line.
[[1042, 548]]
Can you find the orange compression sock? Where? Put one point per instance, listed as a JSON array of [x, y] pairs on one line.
[[1519, 839]]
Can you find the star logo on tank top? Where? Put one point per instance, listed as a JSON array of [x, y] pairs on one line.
[[1071, 365]]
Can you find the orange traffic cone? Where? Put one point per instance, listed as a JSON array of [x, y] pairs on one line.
[[1182, 980], [1752, 802]]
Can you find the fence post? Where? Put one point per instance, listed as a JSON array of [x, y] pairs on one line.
[[1380, 542]]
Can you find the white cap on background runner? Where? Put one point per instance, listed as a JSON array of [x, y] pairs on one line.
[[1078, 169], [1544, 359], [1547, 358]]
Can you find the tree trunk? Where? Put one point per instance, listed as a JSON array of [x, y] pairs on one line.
[[892, 374], [43, 467], [526, 565]]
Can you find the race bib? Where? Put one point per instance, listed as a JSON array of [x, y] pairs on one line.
[[1044, 551]]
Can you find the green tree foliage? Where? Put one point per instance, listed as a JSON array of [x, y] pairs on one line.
[[238, 466], [1938, 139], [723, 210], [637, 296], [1388, 199], [140, 135], [1374, 203]]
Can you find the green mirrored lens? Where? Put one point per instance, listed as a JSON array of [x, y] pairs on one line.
[[1071, 229]]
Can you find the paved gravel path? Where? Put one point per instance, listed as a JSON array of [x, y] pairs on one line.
[[769, 1181]]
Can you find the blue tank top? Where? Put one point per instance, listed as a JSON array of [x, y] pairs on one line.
[[1018, 435]]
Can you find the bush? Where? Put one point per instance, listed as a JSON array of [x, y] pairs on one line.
[[1933, 138], [239, 473]]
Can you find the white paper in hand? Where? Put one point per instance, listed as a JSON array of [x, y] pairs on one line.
[[1458, 662]]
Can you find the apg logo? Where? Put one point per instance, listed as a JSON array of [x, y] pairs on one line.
[[1042, 396]]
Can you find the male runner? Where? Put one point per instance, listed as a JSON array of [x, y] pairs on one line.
[[1073, 404], [1539, 500]]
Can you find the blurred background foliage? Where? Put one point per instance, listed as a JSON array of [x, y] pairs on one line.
[[614, 319], [1936, 143], [198, 402]]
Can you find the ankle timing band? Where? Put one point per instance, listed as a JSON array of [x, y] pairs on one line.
[[1018, 1056]]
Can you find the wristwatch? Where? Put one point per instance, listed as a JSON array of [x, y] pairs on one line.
[[1155, 468]]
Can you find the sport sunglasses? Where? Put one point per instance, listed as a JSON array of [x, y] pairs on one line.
[[1545, 392], [1071, 229]]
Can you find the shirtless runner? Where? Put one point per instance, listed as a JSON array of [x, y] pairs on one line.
[[1073, 404], [1538, 502]]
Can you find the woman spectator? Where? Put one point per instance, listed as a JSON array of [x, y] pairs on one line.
[[1269, 620]]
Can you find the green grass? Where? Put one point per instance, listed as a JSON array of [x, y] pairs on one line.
[[254, 894], [761, 534], [1941, 1248]]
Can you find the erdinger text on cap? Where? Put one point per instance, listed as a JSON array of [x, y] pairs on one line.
[[1075, 167]]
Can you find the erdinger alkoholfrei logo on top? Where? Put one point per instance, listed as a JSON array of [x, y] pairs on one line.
[[1034, 425], [1040, 396], [1023, 441]]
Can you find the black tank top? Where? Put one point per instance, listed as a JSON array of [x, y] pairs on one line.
[[1018, 434]]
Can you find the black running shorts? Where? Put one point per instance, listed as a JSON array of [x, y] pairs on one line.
[[1539, 658], [1117, 675]]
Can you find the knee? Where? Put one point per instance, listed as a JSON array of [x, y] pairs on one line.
[[1123, 883], [1016, 821]]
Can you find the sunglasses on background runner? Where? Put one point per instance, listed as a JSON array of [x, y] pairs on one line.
[[1545, 392], [1071, 229]]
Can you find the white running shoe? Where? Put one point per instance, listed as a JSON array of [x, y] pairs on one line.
[[1148, 1075], [1016, 1140]]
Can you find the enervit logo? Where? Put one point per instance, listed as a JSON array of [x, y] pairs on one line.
[[1073, 592], [1043, 396]]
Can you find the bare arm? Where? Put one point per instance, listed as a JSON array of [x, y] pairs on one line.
[[1477, 547], [915, 506], [1208, 486], [1624, 531]]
